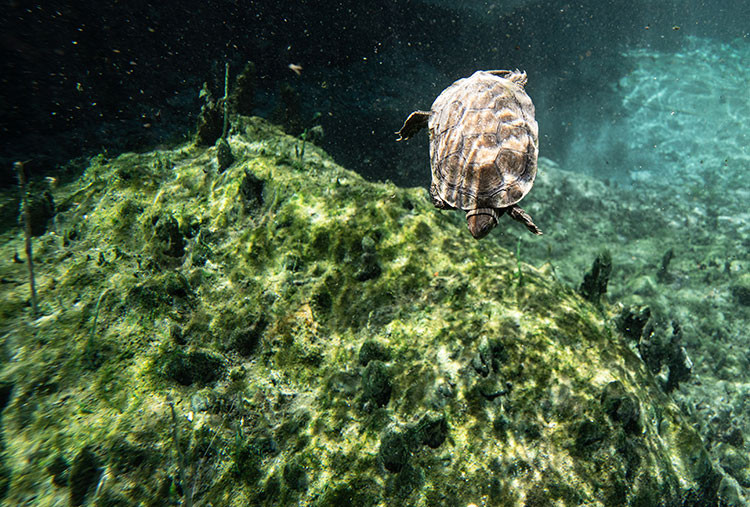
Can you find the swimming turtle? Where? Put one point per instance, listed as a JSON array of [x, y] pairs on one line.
[[483, 148]]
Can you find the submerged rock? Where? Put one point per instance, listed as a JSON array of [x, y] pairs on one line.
[[431, 380]]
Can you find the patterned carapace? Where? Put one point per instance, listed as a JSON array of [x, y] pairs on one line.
[[483, 147]]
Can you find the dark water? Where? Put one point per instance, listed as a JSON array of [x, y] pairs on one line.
[[84, 76]]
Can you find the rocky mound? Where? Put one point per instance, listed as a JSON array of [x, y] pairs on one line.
[[284, 332]]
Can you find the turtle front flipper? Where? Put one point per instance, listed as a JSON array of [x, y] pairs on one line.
[[516, 213], [413, 124]]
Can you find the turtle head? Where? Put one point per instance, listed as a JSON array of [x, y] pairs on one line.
[[481, 221]]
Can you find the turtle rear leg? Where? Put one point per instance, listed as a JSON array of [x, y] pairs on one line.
[[513, 75], [413, 124], [516, 213], [436, 200]]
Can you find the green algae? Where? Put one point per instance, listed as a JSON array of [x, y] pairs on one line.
[[323, 340]]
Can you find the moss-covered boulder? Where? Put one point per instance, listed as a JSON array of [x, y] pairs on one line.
[[286, 333]]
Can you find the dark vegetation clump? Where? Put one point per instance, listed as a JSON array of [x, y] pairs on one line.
[[210, 119], [6, 390], [432, 430], [741, 290], [376, 383], [406, 483], [358, 491], [167, 289], [295, 476], [125, 457], [589, 436], [224, 155], [372, 350], [663, 274], [248, 461], [594, 284], [658, 351], [369, 267], [41, 210], [242, 97], [251, 190], [621, 407], [84, 475], [188, 368], [244, 340], [288, 112], [394, 450], [168, 236], [490, 357], [397, 445], [59, 469], [632, 320]]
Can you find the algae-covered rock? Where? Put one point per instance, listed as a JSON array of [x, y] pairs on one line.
[[323, 341]]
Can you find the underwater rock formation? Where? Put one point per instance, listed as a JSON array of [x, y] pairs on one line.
[[706, 279], [322, 341]]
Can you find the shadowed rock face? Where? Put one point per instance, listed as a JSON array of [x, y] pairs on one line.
[[439, 378]]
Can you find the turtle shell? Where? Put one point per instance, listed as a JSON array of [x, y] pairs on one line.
[[483, 141]]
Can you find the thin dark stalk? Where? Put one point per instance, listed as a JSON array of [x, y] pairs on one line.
[[518, 262], [27, 231], [226, 100]]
